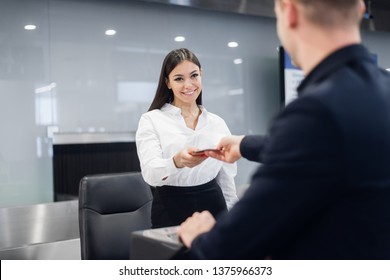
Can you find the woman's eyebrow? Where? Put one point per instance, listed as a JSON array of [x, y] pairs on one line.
[[181, 75]]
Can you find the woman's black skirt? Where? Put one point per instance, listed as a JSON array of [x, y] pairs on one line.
[[173, 205]]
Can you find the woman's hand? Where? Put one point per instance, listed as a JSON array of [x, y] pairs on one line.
[[184, 158]]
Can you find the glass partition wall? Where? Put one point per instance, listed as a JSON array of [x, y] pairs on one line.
[[92, 67], [85, 67]]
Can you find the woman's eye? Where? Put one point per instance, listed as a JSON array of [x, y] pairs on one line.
[[195, 75], [178, 79]]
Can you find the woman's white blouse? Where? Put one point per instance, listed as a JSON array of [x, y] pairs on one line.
[[163, 133]]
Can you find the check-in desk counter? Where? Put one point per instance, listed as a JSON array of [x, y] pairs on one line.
[[155, 244], [47, 231], [76, 155]]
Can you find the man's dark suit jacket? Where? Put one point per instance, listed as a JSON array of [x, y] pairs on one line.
[[323, 189]]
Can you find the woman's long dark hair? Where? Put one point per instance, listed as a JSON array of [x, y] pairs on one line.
[[163, 93]]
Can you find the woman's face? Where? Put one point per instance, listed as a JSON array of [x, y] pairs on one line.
[[185, 80]]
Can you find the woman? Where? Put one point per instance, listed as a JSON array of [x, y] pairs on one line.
[[176, 126]]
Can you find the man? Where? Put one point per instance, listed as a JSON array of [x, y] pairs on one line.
[[323, 190]]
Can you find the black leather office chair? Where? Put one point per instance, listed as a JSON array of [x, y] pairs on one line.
[[110, 207]]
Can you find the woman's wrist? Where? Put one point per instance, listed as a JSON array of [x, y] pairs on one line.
[[176, 161]]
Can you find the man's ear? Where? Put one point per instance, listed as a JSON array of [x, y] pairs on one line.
[[291, 11], [362, 9]]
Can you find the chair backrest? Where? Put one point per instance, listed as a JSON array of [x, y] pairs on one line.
[[111, 206]]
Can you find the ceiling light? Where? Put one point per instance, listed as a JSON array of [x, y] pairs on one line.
[[180, 39], [44, 89], [232, 44], [30, 27], [237, 61], [110, 32], [237, 91]]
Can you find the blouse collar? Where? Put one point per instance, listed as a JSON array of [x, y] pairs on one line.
[[171, 109]]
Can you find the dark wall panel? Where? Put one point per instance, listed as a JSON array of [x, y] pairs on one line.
[[71, 162]]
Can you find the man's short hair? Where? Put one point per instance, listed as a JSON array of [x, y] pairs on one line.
[[332, 13]]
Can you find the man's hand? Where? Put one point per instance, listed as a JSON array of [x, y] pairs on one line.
[[196, 224], [229, 149]]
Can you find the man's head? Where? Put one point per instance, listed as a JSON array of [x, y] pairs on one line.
[[332, 13], [302, 23]]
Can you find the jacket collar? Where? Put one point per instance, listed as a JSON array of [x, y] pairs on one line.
[[332, 62]]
